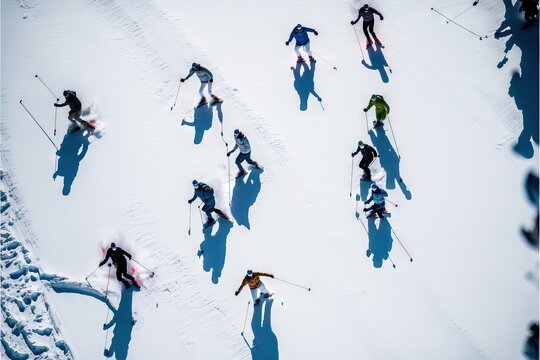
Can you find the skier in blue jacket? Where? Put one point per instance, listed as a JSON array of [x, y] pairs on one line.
[[300, 34], [206, 194]]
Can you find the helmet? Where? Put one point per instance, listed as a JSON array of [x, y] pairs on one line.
[[374, 186], [236, 132], [113, 246], [250, 273], [366, 6], [361, 144], [373, 97], [65, 93], [195, 65], [298, 26], [195, 183]]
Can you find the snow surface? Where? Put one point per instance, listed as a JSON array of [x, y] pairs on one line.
[[457, 112]]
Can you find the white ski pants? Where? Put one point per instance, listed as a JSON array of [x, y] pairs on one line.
[[306, 49], [203, 85], [255, 292]]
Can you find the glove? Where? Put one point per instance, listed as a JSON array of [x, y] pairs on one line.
[[228, 154], [100, 264], [353, 22], [272, 276], [211, 80], [129, 256], [236, 293], [352, 154], [190, 201], [382, 17], [365, 209], [182, 80], [287, 43], [104, 326], [55, 105], [316, 33], [365, 110]]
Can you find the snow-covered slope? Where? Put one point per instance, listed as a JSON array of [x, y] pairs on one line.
[[455, 116]]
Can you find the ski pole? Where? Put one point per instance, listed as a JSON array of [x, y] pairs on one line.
[[200, 213], [390, 258], [367, 126], [322, 107], [359, 43], [245, 318], [461, 26], [409, 255], [105, 351], [53, 94], [147, 269], [229, 172], [352, 169], [323, 59], [464, 11], [189, 229], [293, 284], [55, 116], [393, 203], [176, 98], [47, 135], [91, 275], [395, 142]]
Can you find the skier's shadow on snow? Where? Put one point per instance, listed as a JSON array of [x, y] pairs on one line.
[[304, 83], [378, 61], [72, 150], [214, 247], [123, 323], [202, 121], [523, 87], [389, 160], [244, 196], [265, 343], [380, 240]]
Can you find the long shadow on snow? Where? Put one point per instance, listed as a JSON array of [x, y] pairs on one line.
[[72, 150], [265, 343], [389, 160], [380, 241], [214, 248], [123, 326], [244, 196], [202, 121], [304, 83], [523, 87], [378, 61]]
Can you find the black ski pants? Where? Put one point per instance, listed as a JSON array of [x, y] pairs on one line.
[[121, 271], [368, 25], [364, 165]]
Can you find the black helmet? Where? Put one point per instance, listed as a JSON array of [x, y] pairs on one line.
[[65, 93]]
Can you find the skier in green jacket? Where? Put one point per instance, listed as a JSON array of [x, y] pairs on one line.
[[381, 109]]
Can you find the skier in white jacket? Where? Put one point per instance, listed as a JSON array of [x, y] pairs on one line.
[[242, 143], [207, 78]]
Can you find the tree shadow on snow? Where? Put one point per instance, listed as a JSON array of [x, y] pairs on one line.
[[304, 83], [244, 196], [378, 61], [214, 247], [202, 121], [265, 343], [72, 150], [123, 325], [523, 87], [389, 160], [380, 241]]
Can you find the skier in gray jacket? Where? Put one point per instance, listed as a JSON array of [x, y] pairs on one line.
[[377, 196], [207, 78], [242, 143]]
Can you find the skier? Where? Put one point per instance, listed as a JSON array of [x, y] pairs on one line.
[[381, 109], [116, 254], [206, 194], [299, 33], [530, 7], [530, 349], [206, 78], [74, 109], [378, 207], [253, 280], [368, 154], [366, 12], [242, 142]]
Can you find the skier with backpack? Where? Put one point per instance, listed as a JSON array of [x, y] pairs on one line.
[[117, 255], [253, 280], [242, 143], [381, 109], [207, 78], [366, 12], [300, 34], [368, 154], [206, 194], [378, 207], [74, 109]]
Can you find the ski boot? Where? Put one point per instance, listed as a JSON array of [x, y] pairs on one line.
[[211, 221], [365, 177], [300, 59], [267, 295], [137, 285], [377, 41], [215, 100], [202, 102], [369, 43], [377, 123], [312, 59], [75, 128], [240, 174]]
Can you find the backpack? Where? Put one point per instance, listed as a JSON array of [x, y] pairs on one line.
[[207, 189]]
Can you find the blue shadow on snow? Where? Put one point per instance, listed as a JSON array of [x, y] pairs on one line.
[[202, 121], [123, 326], [380, 241], [244, 196], [265, 343], [72, 150], [378, 61], [214, 247], [304, 83]]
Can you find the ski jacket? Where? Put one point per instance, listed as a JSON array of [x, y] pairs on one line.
[[203, 192], [300, 35], [380, 104], [117, 256], [203, 73], [377, 196], [367, 15], [242, 142], [254, 281], [72, 101], [367, 151]]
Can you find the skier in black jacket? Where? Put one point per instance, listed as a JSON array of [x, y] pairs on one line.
[[368, 154], [367, 12], [116, 254], [74, 108]]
